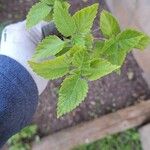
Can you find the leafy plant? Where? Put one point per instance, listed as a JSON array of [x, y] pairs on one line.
[[79, 56], [127, 140], [21, 140]]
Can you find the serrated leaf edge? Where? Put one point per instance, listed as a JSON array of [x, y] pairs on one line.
[[85, 94]]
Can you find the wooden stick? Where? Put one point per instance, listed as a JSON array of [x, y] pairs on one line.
[[96, 129]]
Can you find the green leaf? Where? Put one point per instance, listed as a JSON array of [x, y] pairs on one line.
[[89, 40], [74, 49], [71, 94], [84, 18], [98, 46], [81, 59], [116, 49], [37, 13], [115, 55], [99, 68], [50, 46], [66, 4], [51, 69], [129, 39], [63, 20], [83, 40], [78, 40], [144, 42], [107, 44], [63, 51], [108, 24], [49, 17], [49, 2]]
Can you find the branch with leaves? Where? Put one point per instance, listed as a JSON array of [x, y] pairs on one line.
[[78, 55]]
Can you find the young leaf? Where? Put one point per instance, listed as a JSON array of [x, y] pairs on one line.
[[78, 40], [116, 49], [74, 49], [129, 39], [144, 42], [50, 46], [107, 44], [98, 69], [49, 17], [66, 4], [51, 69], [83, 40], [63, 20], [98, 46], [108, 24], [89, 40], [81, 59], [63, 51], [37, 13], [84, 18], [49, 2], [71, 94], [115, 55]]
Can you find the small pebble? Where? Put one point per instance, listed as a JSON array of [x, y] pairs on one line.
[[130, 75]]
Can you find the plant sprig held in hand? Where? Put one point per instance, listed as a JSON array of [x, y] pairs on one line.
[[79, 57]]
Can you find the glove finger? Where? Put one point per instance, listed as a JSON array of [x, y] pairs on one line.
[[9, 30]]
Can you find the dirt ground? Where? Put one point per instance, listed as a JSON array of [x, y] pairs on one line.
[[106, 95]]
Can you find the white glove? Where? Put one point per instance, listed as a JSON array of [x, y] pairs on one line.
[[20, 44]]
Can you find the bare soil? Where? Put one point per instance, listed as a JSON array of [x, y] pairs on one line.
[[106, 95]]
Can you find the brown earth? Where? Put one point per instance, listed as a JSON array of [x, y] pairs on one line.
[[106, 95]]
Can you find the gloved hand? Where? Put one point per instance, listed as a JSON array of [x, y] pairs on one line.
[[19, 43], [19, 85]]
